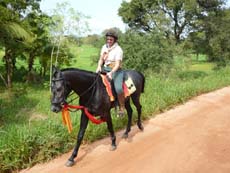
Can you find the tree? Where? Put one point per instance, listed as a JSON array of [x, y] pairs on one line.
[[38, 24], [174, 18], [197, 42], [146, 51], [13, 33], [67, 22], [218, 36]]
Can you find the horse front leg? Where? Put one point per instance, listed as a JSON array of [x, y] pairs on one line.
[[129, 112], [110, 128], [83, 126]]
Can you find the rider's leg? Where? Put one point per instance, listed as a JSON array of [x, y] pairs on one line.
[[118, 80]]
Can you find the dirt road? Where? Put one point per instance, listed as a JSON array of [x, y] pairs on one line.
[[191, 138]]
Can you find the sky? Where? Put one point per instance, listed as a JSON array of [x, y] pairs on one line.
[[103, 13]]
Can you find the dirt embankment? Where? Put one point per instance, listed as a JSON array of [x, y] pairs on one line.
[[191, 138]]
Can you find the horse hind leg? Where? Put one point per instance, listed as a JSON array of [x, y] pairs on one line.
[[129, 112], [136, 102]]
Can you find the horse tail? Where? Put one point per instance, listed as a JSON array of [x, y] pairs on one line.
[[143, 82]]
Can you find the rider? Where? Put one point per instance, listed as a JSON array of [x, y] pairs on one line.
[[110, 61]]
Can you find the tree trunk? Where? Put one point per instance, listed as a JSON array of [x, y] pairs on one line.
[[31, 61], [9, 66], [44, 72], [3, 79]]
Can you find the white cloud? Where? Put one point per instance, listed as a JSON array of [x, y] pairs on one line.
[[97, 26]]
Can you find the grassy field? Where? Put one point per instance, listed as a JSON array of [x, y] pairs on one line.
[[31, 133], [84, 59]]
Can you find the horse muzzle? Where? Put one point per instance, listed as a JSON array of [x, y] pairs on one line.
[[56, 109], [57, 106]]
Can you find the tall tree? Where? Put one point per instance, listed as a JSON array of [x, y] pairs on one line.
[[217, 27], [13, 32], [39, 24], [67, 21], [175, 18]]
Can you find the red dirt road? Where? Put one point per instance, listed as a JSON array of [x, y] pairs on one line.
[[191, 138]]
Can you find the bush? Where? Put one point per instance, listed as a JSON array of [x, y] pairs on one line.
[[149, 51]]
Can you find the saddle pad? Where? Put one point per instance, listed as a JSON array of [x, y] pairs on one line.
[[108, 87], [130, 85]]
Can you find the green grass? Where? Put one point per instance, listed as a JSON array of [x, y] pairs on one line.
[[206, 67], [31, 133], [84, 57], [192, 63]]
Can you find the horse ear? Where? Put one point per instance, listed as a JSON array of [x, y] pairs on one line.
[[55, 69]]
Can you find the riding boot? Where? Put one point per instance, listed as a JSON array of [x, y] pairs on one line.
[[121, 100]]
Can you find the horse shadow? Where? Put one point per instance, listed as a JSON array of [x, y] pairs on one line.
[[105, 143]]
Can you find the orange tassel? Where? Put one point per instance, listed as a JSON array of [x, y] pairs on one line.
[[66, 119]]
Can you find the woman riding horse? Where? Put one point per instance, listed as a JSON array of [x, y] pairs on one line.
[[110, 61]]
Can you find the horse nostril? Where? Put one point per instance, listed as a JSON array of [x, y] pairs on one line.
[[55, 109]]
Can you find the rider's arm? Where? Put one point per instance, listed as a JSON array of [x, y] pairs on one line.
[[115, 68], [100, 62]]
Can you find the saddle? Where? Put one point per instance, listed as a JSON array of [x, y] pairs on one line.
[[127, 86]]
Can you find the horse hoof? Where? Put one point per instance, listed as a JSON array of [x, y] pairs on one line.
[[140, 126], [124, 136], [69, 163], [113, 147]]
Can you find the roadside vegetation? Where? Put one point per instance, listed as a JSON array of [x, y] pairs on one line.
[[178, 62], [31, 133]]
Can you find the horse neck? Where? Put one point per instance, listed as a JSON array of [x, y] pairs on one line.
[[79, 80]]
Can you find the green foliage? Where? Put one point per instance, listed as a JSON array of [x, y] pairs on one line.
[[163, 93], [174, 18], [28, 145], [219, 43], [211, 34], [68, 21], [149, 51], [14, 33], [91, 39]]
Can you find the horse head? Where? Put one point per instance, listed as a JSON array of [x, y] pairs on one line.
[[57, 90]]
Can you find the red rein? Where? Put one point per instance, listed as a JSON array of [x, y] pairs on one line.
[[66, 117]]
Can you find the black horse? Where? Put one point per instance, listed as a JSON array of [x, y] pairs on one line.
[[93, 95]]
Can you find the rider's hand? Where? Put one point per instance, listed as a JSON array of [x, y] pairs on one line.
[[109, 75], [98, 69]]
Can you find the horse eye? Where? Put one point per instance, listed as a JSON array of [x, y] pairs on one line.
[[59, 89]]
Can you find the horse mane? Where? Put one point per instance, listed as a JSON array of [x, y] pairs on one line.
[[79, 71], [76, 69]]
